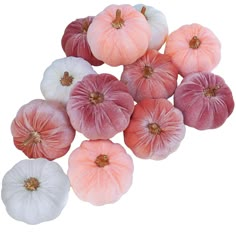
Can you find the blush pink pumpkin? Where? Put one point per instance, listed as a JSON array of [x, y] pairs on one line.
[[100, 171], [205, 100], [42, 129], [151, 76]]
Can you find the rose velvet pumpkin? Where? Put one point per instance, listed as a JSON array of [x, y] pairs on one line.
[[42, 129], [100, 171], [100, 106], [151, 76], [205, 100], [193, 48], [119, 35]]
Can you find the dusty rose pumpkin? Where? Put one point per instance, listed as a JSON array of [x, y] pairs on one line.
[[193, 48], [205, 100], [100, 171], [151, 76], [42, 129], [100, 106], [74, 40], [156, 129]]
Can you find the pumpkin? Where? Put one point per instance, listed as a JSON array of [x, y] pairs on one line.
[[193, 48], [119, 35], [100, 106], [100, 171], [42, 129], [151, 76], [205, 100], [156, 129], [158, 24], [61, 76], [35, 191], [74, 40]]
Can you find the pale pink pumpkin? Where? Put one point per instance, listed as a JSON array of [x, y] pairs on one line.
[[205, 100], [42, 129], [151, 76], [100, 171], [156, 129], [193, 48], [119, 35], [100, 106], [74, 40]]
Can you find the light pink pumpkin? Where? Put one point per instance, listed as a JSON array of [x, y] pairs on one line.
[[42, 129], [100, 171], [151, 76], [156, 129], [100, 106], [205, 100]]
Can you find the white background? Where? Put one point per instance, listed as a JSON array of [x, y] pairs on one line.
[[192, 192]]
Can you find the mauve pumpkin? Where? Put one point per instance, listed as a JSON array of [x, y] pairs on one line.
[[205, 100], [151, 76]]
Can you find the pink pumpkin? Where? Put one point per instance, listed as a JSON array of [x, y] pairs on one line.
[[119, 35], [42, 129], [156, 129], [74, 40], [193, 48], [151, 76], [205, 100], [100, 171], [100, 106]]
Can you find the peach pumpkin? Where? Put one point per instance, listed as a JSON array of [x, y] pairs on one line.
[[151, 76], [193, 48], [119, 35], [100, 171]]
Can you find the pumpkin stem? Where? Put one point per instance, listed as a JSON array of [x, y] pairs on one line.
[[85, 26], [143, 10], [195, 42], [154, 128], [96, 97], [66, 80], [118, 22], [33, 138], [211, 92], [147, 71], [102, 160], [31, 184]]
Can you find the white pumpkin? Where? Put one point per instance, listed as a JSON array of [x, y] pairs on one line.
[[35, 190], [61, 76], [158, 24]]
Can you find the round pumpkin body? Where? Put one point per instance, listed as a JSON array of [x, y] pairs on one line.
[[42, 129], [151, 76], [100, 171], [156, 129], [193, 48], [100, 106], [74, 40], [119, 35], [205, 100]]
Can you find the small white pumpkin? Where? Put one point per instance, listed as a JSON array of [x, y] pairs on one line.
[[158, 24], [35, 190], [61, 76]]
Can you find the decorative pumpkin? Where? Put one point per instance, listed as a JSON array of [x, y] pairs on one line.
[[100, 106], [158, 24], [193, 48], [74, 40], [151, 76], [35, 191], [61, 76], [155, 130], [42, 129], [119, 35], [205, 100], [100, 171]]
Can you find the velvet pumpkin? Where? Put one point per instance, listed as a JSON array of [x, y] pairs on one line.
[[156, 129], [100, 171], [119, 35], [193, 48], [100, 106], [74, 40], [42, 129], [205, 100], [151, 76]]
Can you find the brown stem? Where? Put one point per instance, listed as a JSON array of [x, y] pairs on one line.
[[143, 10], [118, 22], [147, 71], [195, 42], [211, 92], [102, 160], [33, 138], [66, 80], [31, 184], [96, 97], [154, 128], [85, 26]]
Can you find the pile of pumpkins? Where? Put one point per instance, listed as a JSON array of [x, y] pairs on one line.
[[99, 106]]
